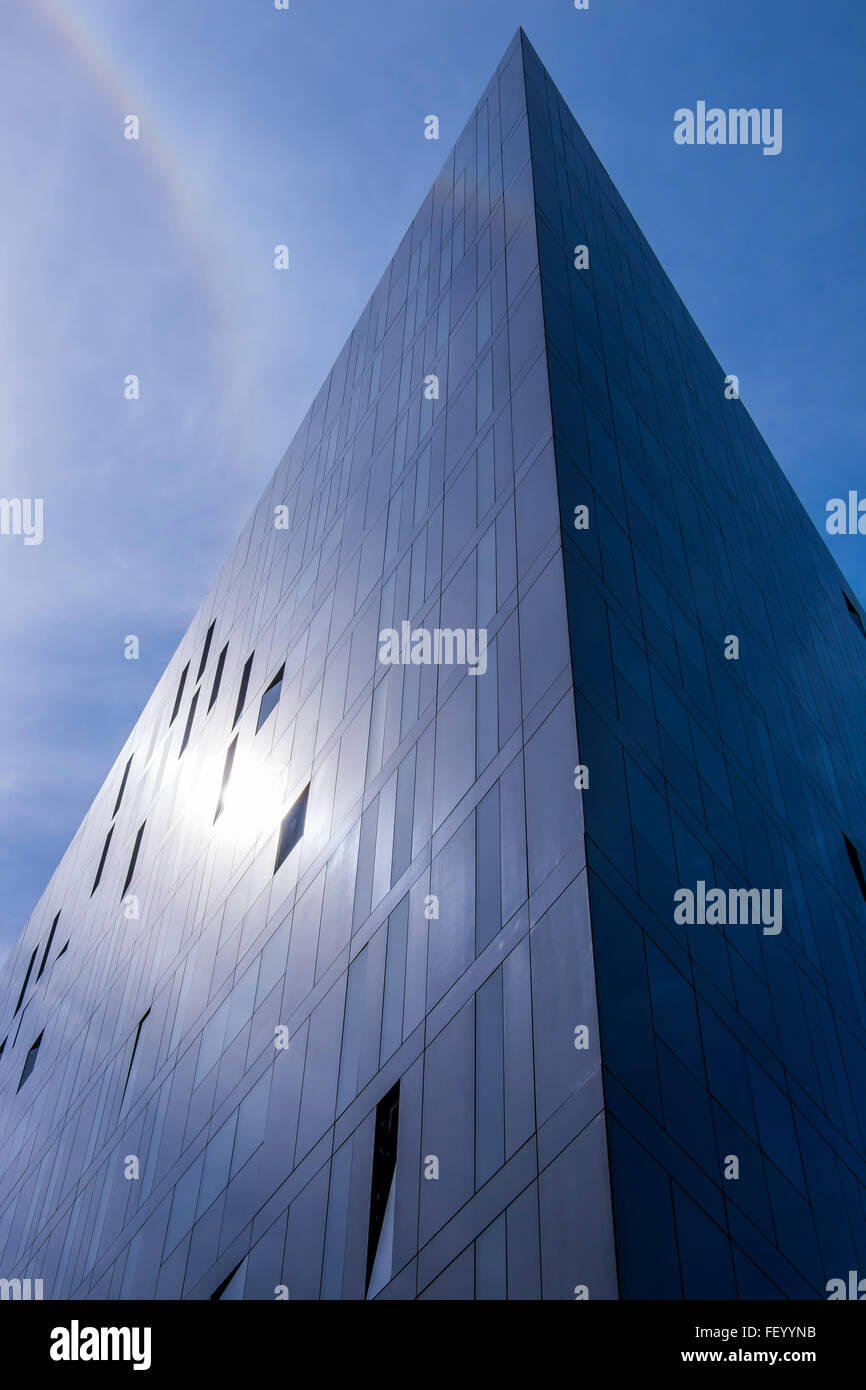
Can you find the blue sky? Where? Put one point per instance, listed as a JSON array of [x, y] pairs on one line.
[[305, 127]]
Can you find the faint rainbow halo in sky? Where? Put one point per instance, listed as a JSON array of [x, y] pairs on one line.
[[194, 226]]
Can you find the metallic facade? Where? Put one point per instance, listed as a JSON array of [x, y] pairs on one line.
[[356, 990]]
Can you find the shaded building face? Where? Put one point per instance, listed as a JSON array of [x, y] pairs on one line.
[[476, 910]]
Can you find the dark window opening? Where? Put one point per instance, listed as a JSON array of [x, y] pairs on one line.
[[21, 1020], [2, 1047], [122, 788], [136, 847], [26, 981], [63, 950], [232, 1287], [141, 1023], [381, 1229], [183, 675], [271, 698], [44, 961], [29, 1061], [102, 860], [292, 827], [856, 865], [206, 651], [855, 614], [242, 693], [227, 772], [217, 678], [188, 730]]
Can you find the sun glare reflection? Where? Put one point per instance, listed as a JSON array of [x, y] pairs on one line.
[[253, 801], [255, 797]]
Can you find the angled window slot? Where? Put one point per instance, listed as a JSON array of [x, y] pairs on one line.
[[44, 960], [20, 1021], [122, 787], [188, 730], [232, 1287], [854, 858], [141, 1023], [292, 827], [242, 693], [30, 1060], [183, 675], [217, 680], [206, 651], [380, 1239], [271, 698], [855, 614], [135, 848], [102, 860], [227, 772], [26, 981]]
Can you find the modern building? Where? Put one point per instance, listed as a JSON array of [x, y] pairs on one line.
[[370, 971]]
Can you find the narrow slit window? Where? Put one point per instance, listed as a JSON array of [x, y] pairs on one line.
[[292, 827], [44, 960], [63, 949], [380, 1240], [30, 1061], [188, 730], [102, 860], [227, 772], [122, 788], [129, 1070], [26, 981], [232, 1287], [856, 865], [855, 614], [21, 1020], [183, 675], [271, 698], [215, 690], [132, 862], [205, 651], [242, 693], [2, 1047]]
